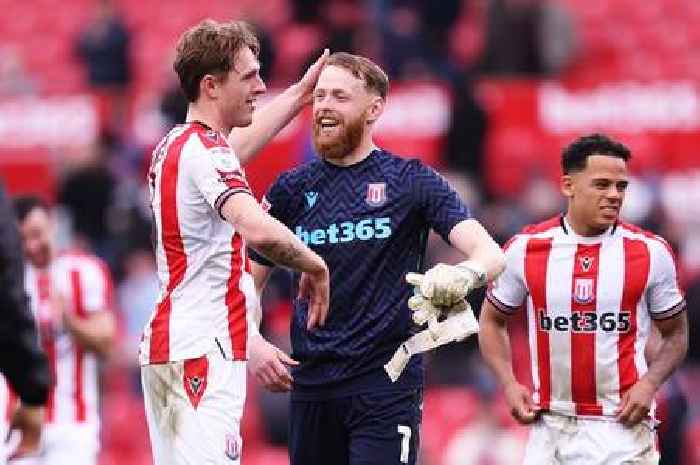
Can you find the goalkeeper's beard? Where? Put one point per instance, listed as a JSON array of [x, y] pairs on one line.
[[348, 138]]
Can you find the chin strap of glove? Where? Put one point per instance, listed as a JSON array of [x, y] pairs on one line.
[[459, 324]]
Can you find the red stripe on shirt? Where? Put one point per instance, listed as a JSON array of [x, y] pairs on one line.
[[48, 342], [79, 307], [536, 260], [174, 248], [666, 245], [236, 301], [583, 374], [637, 263]]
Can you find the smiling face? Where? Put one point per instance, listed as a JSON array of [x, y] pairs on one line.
[[36, 230], [343, 111], [596, 193], [237, 91]]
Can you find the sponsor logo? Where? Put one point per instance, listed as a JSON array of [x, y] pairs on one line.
[[311, 198], [585, 322], [224, 160], [583, 290], [347, 231], [376, 194]]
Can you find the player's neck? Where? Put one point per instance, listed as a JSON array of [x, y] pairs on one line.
[[581, 228], [209, 116], [362, 151]]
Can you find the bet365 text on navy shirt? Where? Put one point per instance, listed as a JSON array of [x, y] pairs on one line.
[[370, 223]]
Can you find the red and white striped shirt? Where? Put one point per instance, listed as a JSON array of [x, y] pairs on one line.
[[590, 302], [84, 285], [206, 287]]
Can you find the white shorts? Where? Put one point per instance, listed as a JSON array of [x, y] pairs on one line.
[[194, 409], [561, 440], [65, 444]]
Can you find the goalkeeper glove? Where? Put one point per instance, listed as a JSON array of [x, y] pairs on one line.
[[459, 324], [445, 285]]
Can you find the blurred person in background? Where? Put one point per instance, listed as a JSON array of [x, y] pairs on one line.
[[136, 294], [594, 287], [87, 191], [25, 372], [71, 298], [533, 37], [103, 47], [367, 212], [194, 347]]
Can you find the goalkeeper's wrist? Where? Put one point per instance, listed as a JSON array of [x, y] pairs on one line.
[[477, 270]]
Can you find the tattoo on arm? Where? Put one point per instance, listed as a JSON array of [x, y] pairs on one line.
[[283, 253]]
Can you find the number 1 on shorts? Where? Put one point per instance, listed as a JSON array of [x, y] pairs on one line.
[[405, 432]]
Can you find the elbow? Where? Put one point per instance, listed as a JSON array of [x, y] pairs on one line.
[[259, 241]]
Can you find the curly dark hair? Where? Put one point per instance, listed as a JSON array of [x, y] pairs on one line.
[[574, 157]]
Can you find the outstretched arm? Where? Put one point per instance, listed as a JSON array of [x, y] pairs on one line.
[[274, 241], [276, 114], [470, 238], [445, 284]]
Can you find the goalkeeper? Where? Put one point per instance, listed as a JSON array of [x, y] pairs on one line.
[[367, 212]]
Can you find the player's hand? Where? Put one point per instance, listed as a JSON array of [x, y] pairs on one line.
[[445, 285], [28, 421], [635, 404], [423, 309], [425, 312], [316, 288], [308, 82], [519, 400], [270, 365]]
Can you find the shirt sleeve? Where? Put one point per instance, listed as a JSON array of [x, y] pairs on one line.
[[96, 287], [508, 292], [439, 203], [215, 171], [663, 293], [275, 203]]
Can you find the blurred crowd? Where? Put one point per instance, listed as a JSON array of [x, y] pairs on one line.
[[103, 206]]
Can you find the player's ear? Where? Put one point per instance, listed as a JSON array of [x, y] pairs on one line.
[[375, 110], [209, 86], [566, 184]]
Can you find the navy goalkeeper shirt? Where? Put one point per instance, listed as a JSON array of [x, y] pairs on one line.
[[369, 221]]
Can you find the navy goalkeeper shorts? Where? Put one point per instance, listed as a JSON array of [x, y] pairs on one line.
[[365, 429]]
